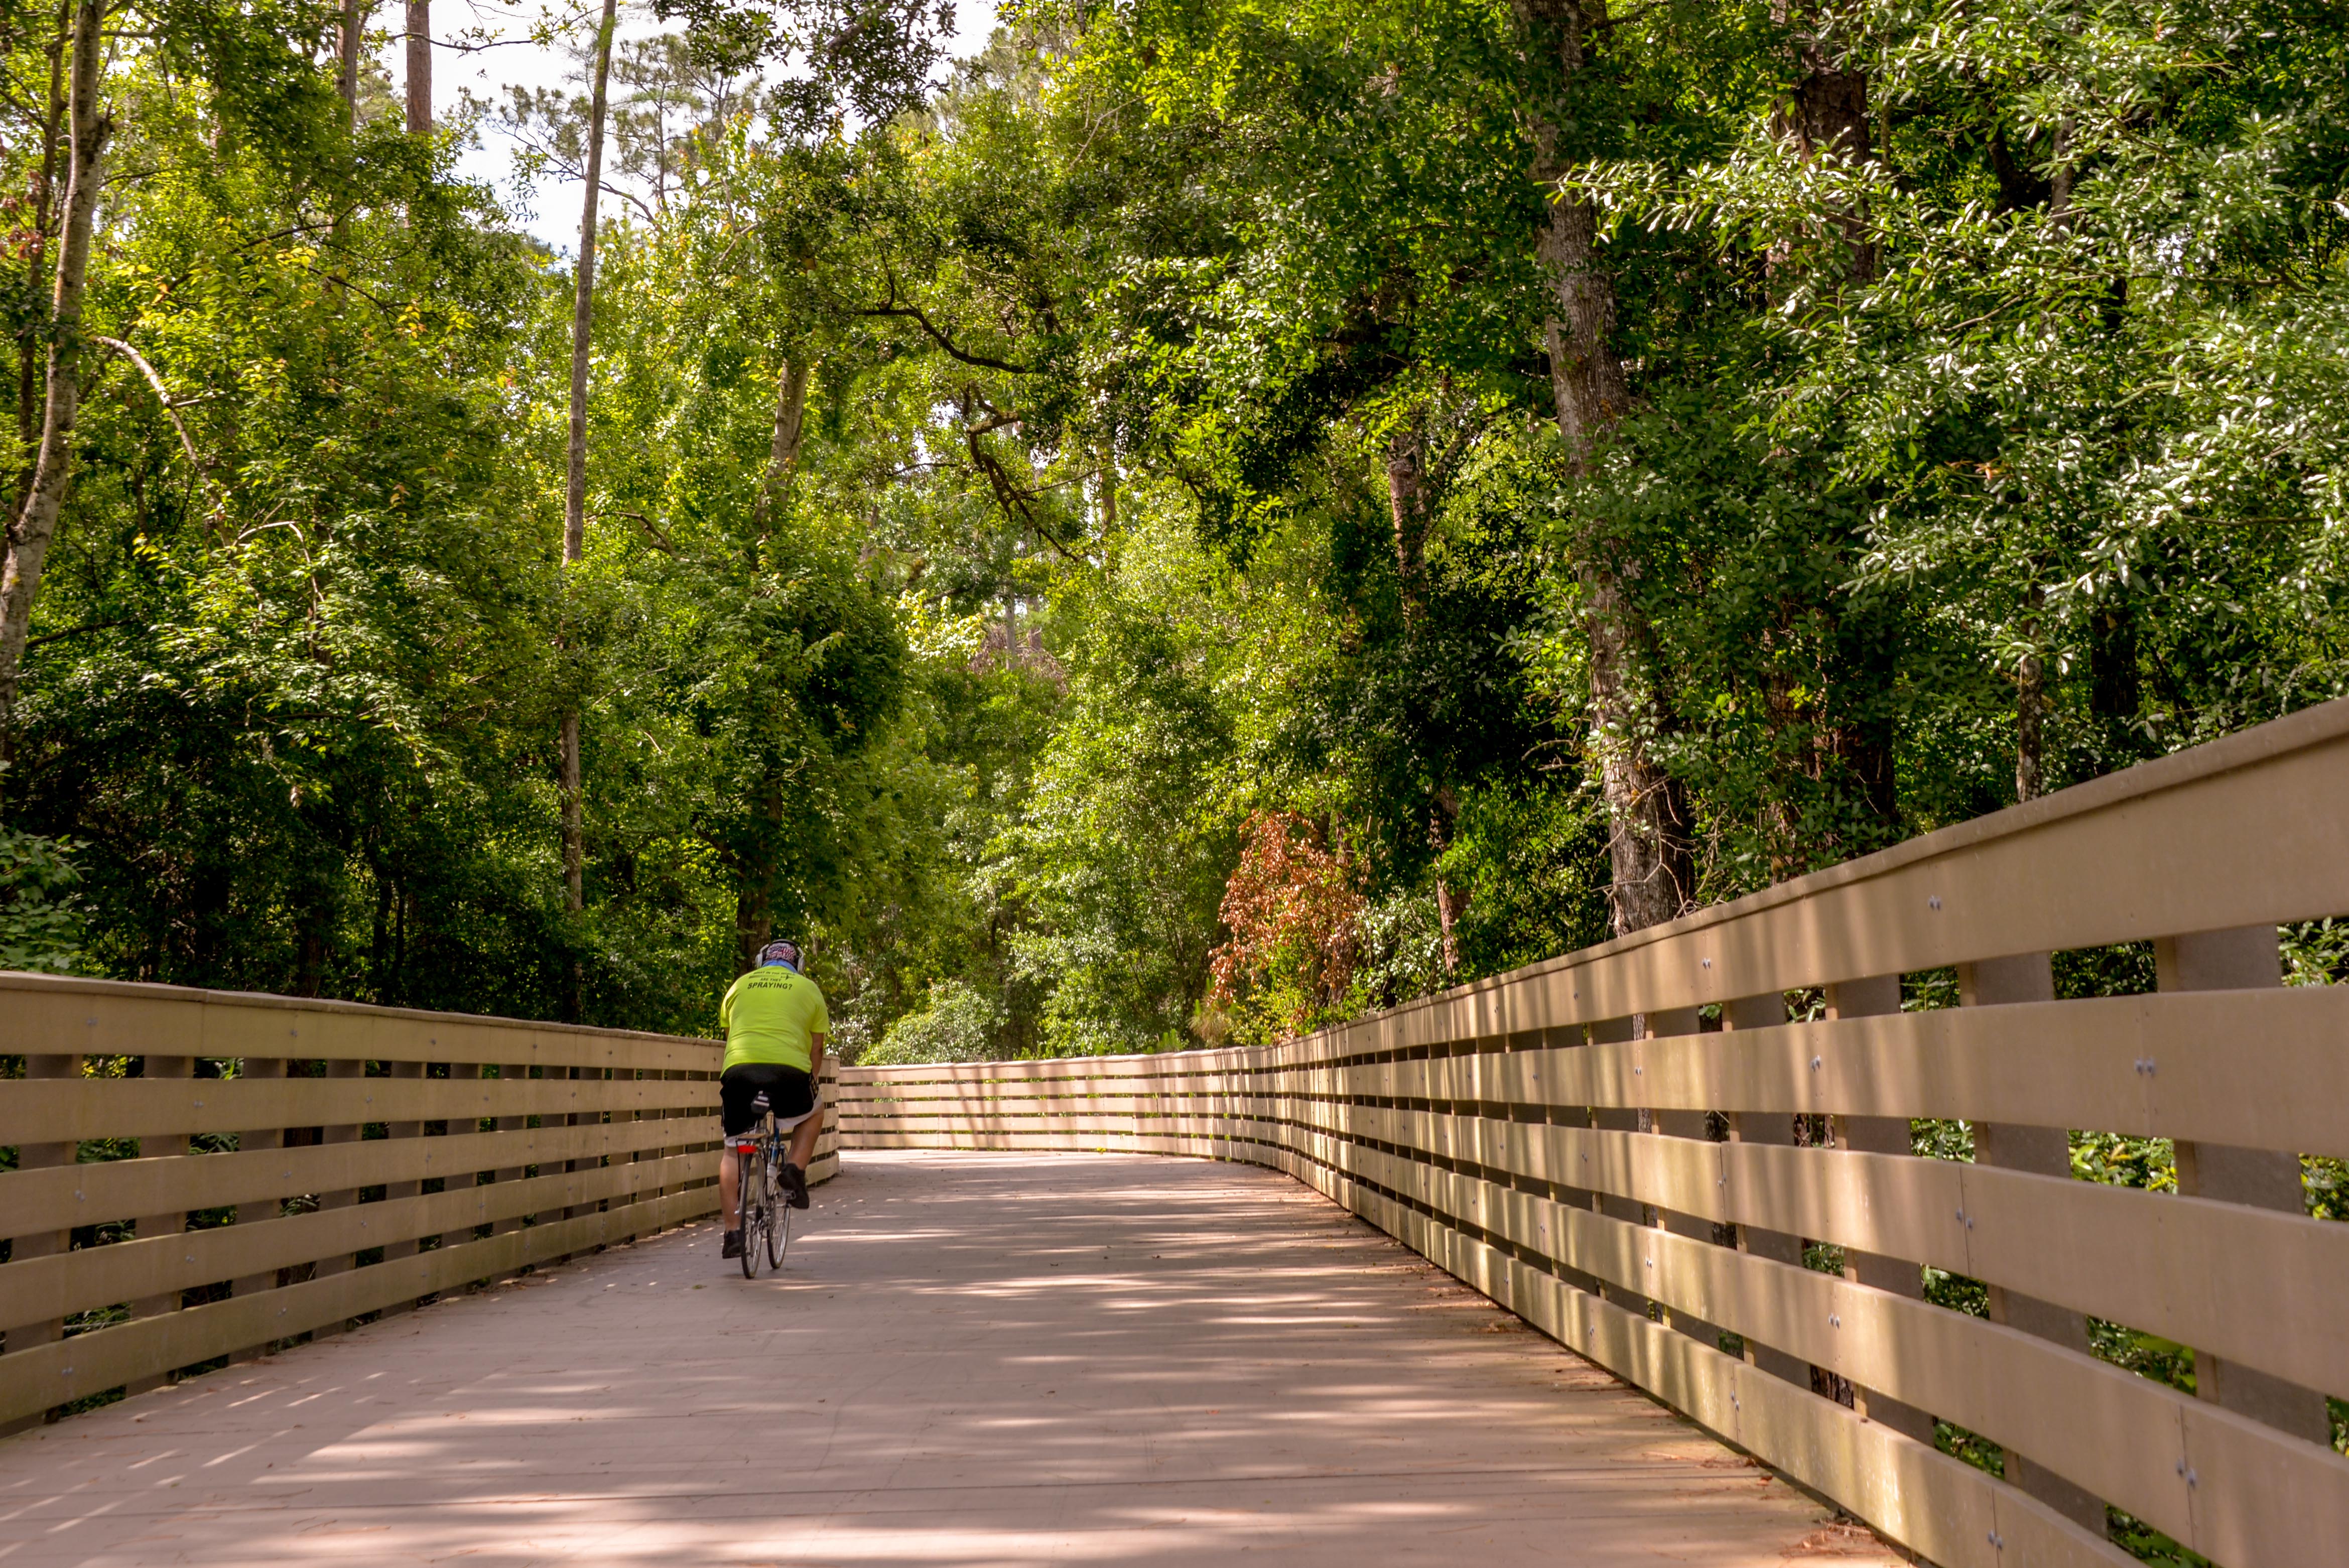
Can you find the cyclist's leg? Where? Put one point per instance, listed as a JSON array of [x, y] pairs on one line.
[[804, 1139], [794, 1098], [737, 1093], [791, 1176]]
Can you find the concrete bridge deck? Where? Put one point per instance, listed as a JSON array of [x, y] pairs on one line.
[[968, 1359]]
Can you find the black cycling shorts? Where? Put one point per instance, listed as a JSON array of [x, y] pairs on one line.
[[790, 1092]]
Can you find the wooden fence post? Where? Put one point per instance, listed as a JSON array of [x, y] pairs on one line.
[[397, 1190], [509, 1072], [1620, 1119], [171, 1224], [667, 1150], [2243, 959], [1871, 997], [635, 1156], [582, 1119], [1767, 1011], [1571, 1116], [343, 1198], [1696, 1125], [2045, 1152], [22, 1336], [479, 1072], [258, 1068]]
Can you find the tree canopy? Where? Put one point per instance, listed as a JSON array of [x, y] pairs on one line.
[[1194, 520]]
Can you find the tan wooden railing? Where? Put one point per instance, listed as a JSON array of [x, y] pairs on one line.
[[284, 1167], [1632, 1147]]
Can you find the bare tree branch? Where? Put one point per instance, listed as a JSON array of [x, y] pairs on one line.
[[170, 410], [75, 632], [660, 540], [913, 313]]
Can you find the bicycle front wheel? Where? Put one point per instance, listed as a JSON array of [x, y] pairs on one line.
[[757, 1212]]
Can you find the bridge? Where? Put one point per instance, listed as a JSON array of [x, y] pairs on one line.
[[1776, 1233]]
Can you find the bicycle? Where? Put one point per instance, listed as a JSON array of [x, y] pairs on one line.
[[765, 1218]]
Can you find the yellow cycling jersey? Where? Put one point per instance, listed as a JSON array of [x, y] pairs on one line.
[[770, 1016]]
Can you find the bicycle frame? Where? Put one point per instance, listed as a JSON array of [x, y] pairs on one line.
[[760, 1155]]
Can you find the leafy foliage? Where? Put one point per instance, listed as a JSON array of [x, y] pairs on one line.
[[40, 919], [1295, 915], [956, 1023]]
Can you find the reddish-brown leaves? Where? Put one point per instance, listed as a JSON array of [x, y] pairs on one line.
[[1292, 908]]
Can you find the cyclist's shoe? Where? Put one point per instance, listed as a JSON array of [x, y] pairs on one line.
[[794, 1186], [733, 1247]]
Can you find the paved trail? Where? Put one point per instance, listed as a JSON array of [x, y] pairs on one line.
[[968, 1359]]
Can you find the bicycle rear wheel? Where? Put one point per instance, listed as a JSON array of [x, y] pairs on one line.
[[757, 1212], [779, 1225]]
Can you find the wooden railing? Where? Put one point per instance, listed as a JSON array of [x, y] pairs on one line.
[[1636, 1150], [203, 1175]]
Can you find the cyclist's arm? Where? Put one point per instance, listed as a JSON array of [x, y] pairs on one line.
[[815, 1055]]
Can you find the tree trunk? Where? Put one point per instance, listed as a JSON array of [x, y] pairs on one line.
[[575, 499], [2030, 705], [1109, 486], [1411, 505], [1408, 503], [2059, 176], [420, 67], [575, 502], [1863, 744], [2030, 728], [1450, 905], [349, 46], [575, 872], [1826, 113], [29, 350], [791, 422], [1587, 382], [755, 870], [1648, 848], [2115, 689], [1794, 755], [310, 964], [35, 526], [754, 923], [380, 936]]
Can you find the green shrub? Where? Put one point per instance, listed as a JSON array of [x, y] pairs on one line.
[[958, 1022], [40, 918]]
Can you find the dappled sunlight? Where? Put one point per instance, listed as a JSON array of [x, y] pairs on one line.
[[1080, 1359]]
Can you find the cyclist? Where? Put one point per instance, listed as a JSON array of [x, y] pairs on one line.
[[775, 1024]]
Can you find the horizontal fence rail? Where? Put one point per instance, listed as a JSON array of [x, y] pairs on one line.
[[202, 1176], [1743, 1161]]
